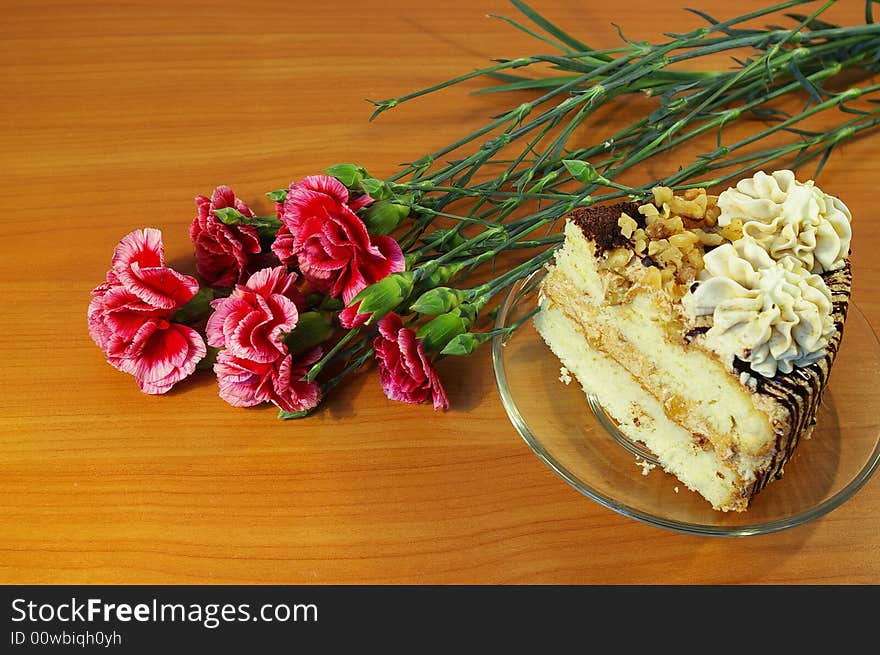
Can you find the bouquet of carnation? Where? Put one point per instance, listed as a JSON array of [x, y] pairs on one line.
[[352, 268]]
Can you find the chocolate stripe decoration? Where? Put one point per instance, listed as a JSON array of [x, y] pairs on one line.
[[800, 391]]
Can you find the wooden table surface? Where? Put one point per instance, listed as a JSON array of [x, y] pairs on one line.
[[116, 115]]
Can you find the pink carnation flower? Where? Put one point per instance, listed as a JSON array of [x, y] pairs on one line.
[[129, 315], [253, 320], [254, 365], [350, 317], [405, 372], [222, 250], [245, 383], [330, 242], [282, 246]]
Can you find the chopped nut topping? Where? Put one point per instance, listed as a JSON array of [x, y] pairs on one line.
[[627, 225], [709, 238], [662, 194], [733, 231], [618, 258], [678, 230]]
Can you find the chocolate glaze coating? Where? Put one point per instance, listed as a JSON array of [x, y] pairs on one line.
[[599, 224]]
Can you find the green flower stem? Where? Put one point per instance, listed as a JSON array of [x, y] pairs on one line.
[[489, 289], [355, 364], [487, 190], [752, 39], [325, 387], [721, 120], [318, 366]]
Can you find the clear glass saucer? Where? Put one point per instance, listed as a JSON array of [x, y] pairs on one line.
[[578, 441]]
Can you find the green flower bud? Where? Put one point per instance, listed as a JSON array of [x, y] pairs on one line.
[[349, 174], [439, 331], [441, 275], [493, 237], [383, 216], [376, 189], [410, 259], [385, 295], [438, 301], [311, 329], [327, 303], [583, 171], [466, 343]]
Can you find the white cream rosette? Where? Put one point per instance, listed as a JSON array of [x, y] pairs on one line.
[[775, 315], [790, 218]]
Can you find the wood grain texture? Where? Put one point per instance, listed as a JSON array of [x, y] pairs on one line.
[[120, 113]]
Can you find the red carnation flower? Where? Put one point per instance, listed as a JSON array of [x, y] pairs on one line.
[[254, 365], [330, 242], [253, 320], [222, 250], [405, 372], [245, 383], [129, 315]]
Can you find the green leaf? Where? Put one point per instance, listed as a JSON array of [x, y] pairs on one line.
[[525, 84], [278, 196], [197, 309], [286, 416], [349, 174], [311, 329], [552, 29], [231, 216], [207, 362]]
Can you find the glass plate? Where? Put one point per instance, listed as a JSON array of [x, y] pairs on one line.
[[579, 443]]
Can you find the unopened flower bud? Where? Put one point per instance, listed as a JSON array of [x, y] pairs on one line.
[[439, 331], [382, 297], [440, 276], [311, 329], [438, 301], [383, 216], [375, 188], [583, 171], [349, 174], [466, 343]]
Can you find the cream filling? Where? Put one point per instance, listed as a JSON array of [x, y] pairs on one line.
[[693, 385], [639, 415]]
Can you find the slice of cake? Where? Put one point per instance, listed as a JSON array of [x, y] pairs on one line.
[[705, 326]]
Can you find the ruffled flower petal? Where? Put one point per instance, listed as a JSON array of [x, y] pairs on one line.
[[330, 242], [406, 373], [222, 251]]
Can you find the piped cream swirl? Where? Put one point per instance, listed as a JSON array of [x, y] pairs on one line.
[[790, 218], [775, 315]]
